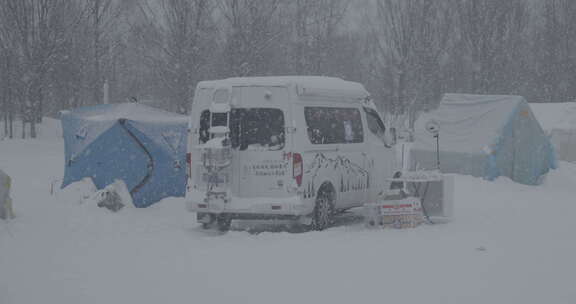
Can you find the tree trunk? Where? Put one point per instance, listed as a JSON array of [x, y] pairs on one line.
[[5, 121], [11, 124], [5, 109], [96, 25], [6, 84], [401, 91], [32, 127], [39, 109]]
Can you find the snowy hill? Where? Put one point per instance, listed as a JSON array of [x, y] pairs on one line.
[[509, 243], [560, 115], [559, 121]]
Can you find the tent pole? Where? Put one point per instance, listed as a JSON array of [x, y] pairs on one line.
[[150, 167]]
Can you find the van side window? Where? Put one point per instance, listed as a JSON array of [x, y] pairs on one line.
[[374, 122], [334, 125]]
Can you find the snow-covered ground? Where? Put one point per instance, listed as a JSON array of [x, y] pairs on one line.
[[509, 243], [49, 128]]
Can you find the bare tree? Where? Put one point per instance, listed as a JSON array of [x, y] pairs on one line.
[[38, 29], [490, 30], [251, 36], [6, 68], [316, 39], [56, 54], [102, 19], [181, 36], [408, 39], [556, 51]]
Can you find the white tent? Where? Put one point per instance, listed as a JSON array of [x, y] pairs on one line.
[[486, 136], [559, 122]]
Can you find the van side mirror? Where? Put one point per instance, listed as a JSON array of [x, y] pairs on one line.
[[390, 137]]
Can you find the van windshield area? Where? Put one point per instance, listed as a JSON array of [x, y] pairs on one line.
[[251, 128]]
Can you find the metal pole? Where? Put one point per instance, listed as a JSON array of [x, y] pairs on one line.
[[106, 92], [438, 151]]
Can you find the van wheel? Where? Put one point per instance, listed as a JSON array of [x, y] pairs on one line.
[[223, 222], [200, 217], [323, 210]]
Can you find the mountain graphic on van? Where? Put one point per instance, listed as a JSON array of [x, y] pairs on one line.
[[351, 176]]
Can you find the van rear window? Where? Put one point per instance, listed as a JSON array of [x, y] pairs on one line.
[[251, 128], [334, 125]]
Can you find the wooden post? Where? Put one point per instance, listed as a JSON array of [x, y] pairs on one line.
[[5, 200]]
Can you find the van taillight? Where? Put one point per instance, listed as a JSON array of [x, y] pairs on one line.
[[297, 168], [189, 164]]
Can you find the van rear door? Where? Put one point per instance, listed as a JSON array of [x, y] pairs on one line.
[[259, 139]]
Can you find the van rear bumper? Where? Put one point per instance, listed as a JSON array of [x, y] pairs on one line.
[[249, 207]]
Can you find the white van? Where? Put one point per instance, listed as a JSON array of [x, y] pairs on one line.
[[299, 148]]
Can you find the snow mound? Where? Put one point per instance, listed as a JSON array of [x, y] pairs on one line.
[[77, 192], [85, 192], [119, 188], [551, 116], [563, 178]]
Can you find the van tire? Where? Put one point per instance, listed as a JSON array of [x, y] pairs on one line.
[[323, 209], [223, 222]]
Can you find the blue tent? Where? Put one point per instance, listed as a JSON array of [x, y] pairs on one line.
[[485, 136], [143, 146]]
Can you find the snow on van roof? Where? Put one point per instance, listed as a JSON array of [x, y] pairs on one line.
[[315, 82]]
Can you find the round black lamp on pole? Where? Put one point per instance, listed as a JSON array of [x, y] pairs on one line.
[[433, 127]]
